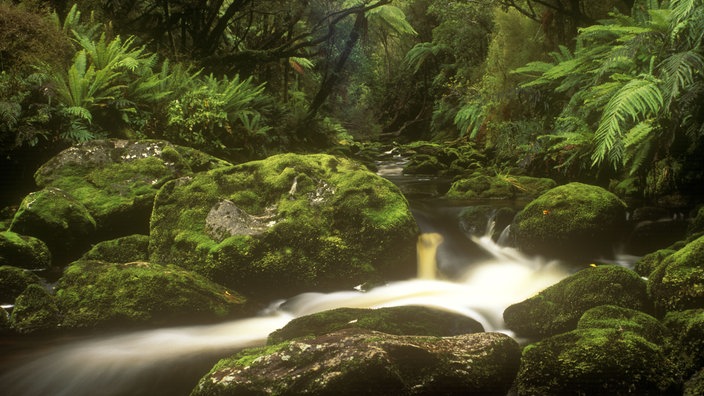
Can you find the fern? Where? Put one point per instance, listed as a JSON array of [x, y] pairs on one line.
[[417, 56], [469, 119], [638, 98]]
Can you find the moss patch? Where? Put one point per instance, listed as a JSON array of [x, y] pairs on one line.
[[678, 282], [13, 281], [120, 250], [23, 251], [35, 311], [99, 294]]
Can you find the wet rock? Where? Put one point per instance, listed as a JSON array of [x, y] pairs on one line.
[[23, 251], [678, 282], [476, 220], [13, 281], [404, 320], [58, 219], [4, 321], [120, 250], [361, 362], [573, 220], [695, 385], [100, 294], [646, 264], [558, 308], [285, 225], [596, 361], [485, 186], [624, 319], [35, 311], [116, 180]]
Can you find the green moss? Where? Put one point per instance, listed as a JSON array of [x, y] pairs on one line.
[[405, 320], [678, 282], [120, 250], [623, 319], [558, 308], [35, 311], [695, 385], [686, 344], [23, 251], [573, 220], [13, 281], [646, 264], [97, 294], [596, 361]]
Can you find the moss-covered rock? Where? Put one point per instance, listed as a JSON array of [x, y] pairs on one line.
[[438, 159], [624, 319], [596, 361], [120, 250], [678, 282], [404, 320], [116, 180], [573, 220], [100, 294], [475, 220], [361, 362], [696, 223], [558, 308], [35, 311], [13, 281], [687, 339], [646, 264], [483, 186], [58, 219], [23, 251], [284, 225], [695, 385], [5, 326]]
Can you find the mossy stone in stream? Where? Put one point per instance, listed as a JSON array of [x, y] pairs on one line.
[[100, 294], [481, 185], [695, 385], [647, 264], [13, 281], [558, 308], [4, 321], [23, 251], [596, 361], [571, 221], [678, 282], [404, 320], [358, 362], [120, 250], [116, 180], [624, 319], [284, 225], [687, 339], [35, 311], [58, 219]]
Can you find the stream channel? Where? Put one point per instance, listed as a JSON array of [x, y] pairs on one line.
[[471, 275]]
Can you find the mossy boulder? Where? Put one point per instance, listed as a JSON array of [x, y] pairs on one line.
[[359, 362], [120, 250], [647, 264], [558, 308], [695, 385], [484, 186], [596, 361], [404, 320], [687, 339], [678, 282], [58, 219], [116, 180], [4, 321], [624, 319], [571, 221], [429, 158], [138, 294], [284, 225], [13, 281], [23, 251], [35, 311]]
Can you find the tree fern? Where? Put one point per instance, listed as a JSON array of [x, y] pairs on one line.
[[421, 53], [640, 97]]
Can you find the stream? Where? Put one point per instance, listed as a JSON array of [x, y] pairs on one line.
[[473, 276]]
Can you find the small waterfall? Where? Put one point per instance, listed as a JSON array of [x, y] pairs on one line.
[[130, 364]]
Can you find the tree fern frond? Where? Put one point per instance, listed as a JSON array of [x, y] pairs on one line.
[[420, 53], [639, 97], [679, 71]]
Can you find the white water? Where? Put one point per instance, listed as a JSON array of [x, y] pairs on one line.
[[117, 365]]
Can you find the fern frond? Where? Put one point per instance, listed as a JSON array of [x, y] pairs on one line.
[[638, 98], [679, 71], [420, 53]]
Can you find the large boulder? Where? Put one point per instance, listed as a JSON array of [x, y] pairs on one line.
[[58, 219], [35, 311], [558, 308], [120, 250], [687, 339], [284, 225], [23, 251], [403, 320], [596, 361], [361, 362], [13, 281], [116, 180], [100, 294], [484, 186], [573, 221], [678, 282]]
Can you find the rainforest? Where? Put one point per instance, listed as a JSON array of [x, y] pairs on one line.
[[403, 197]]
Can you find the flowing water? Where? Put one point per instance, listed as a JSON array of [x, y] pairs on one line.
[[485, 279]]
